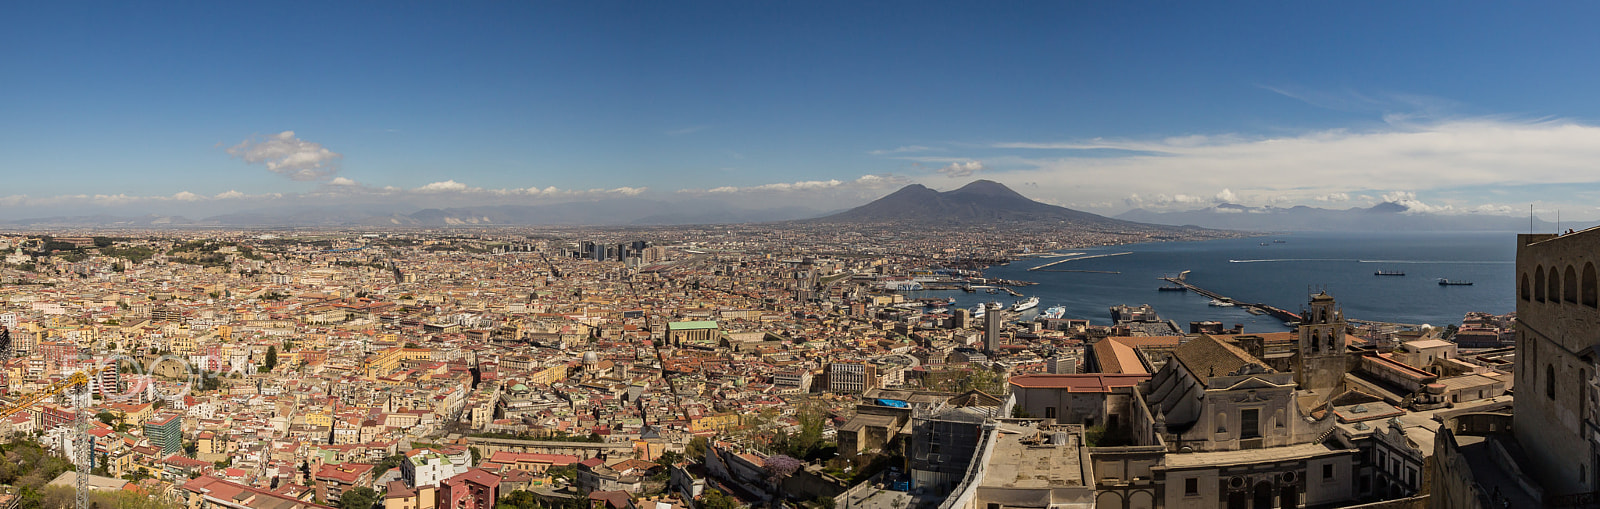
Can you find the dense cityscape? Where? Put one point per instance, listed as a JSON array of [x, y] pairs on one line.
[[713, 366], [708, 254]]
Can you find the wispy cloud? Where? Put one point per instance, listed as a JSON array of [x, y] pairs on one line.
[[901, 150], [865, 182], [286, 155], [1323, 166], [961, 169]]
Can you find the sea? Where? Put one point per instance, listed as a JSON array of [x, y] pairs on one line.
[[1281, 270]]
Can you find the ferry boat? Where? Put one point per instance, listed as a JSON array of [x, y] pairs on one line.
[[1054, 312], [1447, 282], [939, 303], [1220, 303], [1389, 273], [980, 310], [1025, 304]]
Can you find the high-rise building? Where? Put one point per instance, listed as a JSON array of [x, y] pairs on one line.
[[165, 432], [991, 329]]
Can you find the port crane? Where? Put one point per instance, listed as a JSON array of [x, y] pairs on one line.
[[82, 458]]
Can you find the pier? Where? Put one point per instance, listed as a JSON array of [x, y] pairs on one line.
[[1182, 279], [1076, 258]]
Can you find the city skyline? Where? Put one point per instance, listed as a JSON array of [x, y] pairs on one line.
[[1442, 107]]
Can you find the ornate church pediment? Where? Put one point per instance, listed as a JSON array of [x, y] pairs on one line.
[[1250, 384]]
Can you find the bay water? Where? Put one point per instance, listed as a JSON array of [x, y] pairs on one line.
[[1279, 270]]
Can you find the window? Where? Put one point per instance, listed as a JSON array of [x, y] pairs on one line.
[[1590, 297], [1191, 486], [1327, 472], [1549, 381], [1526, 293], [1569, 286], [1555, 286], [1049, 412], [1538, 284], [1250, 423]]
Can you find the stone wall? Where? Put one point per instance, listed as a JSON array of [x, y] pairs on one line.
[[1557, 316]]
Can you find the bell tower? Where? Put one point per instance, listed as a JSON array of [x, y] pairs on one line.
[[1320, 364]]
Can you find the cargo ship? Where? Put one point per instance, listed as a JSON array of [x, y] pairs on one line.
[[1025, 304], [1389, 273], [1447, 282], [1172, 288]]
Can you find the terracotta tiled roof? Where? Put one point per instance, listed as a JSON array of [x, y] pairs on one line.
[[1090, 382]]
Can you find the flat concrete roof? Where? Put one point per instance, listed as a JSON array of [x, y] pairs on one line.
[[1014, 464], [1248, 457]]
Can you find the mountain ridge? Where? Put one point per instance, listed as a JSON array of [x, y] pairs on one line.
[[978, 202]]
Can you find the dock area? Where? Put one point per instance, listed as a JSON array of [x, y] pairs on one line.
[[1076, 258], [1250, 307]]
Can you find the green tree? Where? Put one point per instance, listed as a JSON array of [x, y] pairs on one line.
[[272, 357], [477, 455], [713, 499], [359, 498], [669, 458], [386, 464], [696, 450]]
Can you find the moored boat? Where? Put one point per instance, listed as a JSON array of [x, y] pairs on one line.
[[1025, 304]]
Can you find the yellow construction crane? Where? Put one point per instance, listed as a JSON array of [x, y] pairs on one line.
[[82, 456]]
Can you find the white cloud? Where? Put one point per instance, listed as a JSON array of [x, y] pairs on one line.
[[865, 182], [961, 169], [1483, 153], [1226, 195], [229, 195], [186, 196], [289, 156], [442, 187], [1413, 205], [341, 181], [901, 150]]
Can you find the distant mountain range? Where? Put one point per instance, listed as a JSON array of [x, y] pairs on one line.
[[618, 211], [1387, 216], [980, 202]]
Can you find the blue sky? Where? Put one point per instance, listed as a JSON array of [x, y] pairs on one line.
[[1103, 106]]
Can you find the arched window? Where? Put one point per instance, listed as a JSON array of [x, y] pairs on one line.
[[1538, 284], [1527, 293], [1222, 422], [1333, 339], [1590, 297], [1324, 316], [1550, 381], [1569, 286], [1554, 286], [1316, 341], [1583, 393]]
